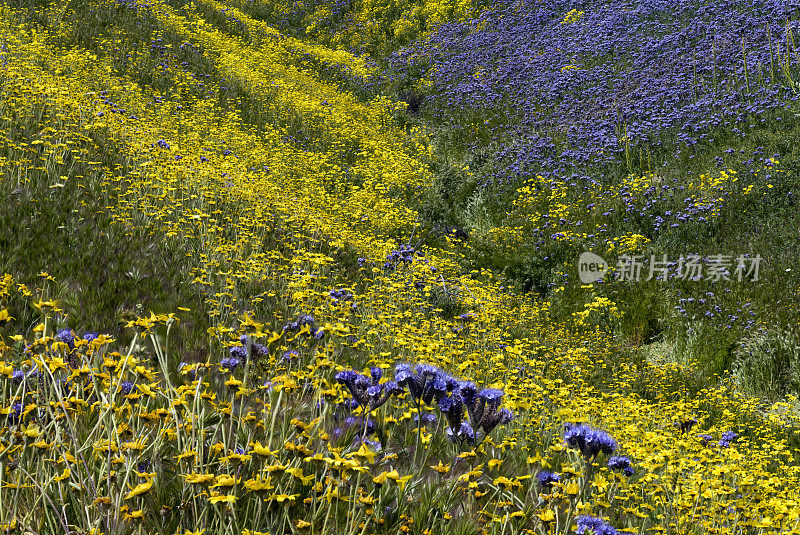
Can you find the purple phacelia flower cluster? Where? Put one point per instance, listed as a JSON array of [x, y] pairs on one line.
[[238, 352], [726, 439], [427, 383], [368, 391], [591, 442], [594, 526], [230, 363], [305, 320], [66, 336], [290, 355], [403, 255], [464, 433], [90, 337], [249, 348], [126, 387], [341, 294], [547, 479], [705, 439], [621, 464], [454, 397], [15, 413]]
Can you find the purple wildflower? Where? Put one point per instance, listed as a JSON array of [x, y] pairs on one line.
[[66, 336], [589, 441], [594, 525], [621, 463], [547, 479]]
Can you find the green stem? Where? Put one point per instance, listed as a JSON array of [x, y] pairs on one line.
[[419, 431], [274, 416]]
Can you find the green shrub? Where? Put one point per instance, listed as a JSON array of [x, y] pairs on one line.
[[767, 364]]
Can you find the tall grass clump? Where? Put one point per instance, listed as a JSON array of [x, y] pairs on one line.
[[254, 282]]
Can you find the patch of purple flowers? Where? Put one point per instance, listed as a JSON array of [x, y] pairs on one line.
[[594, 525], [66, 336], [621, 464], [660, 74], [404, 255], [340, 295], [547, 479], [454, 397], [591, 442], [90, 337], [15, 414], [303, 320], [705, 439], [727, 438], [368, 391], [230, 363]]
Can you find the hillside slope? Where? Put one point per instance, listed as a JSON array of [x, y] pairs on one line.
[[232, 303]]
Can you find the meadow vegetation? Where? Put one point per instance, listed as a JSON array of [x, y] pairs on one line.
[[311, 267]]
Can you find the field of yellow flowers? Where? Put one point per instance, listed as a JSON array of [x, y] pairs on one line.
[[316, 358]]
